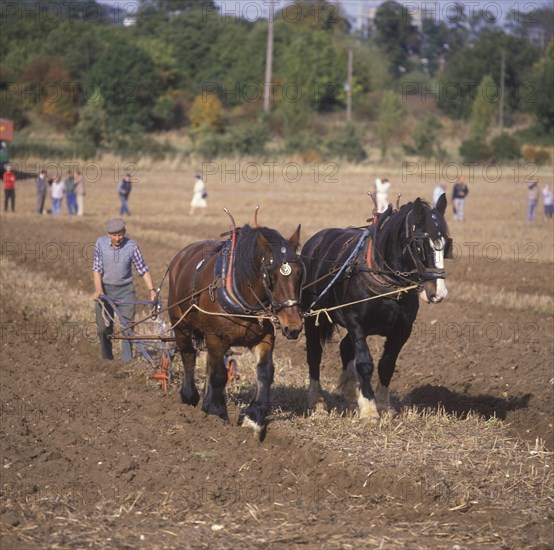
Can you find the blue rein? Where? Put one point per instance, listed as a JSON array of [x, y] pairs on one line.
[[365, 234]]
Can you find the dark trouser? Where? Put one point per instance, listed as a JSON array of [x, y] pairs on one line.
[[127, 294], [532, 209], [71, 200], [9, 195], [124, 208], [41, 197]]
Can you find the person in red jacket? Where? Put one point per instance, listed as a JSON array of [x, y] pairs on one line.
[[9, 188]]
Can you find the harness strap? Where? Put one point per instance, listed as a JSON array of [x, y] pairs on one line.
[[326, 310], [365, 234]]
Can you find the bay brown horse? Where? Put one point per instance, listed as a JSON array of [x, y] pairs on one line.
[[347, 272], [235, 293]]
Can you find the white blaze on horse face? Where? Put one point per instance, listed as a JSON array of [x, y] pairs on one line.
[[442, 291]]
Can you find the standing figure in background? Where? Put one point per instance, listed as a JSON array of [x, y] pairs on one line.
[[548, 201], [42, 186], [533, 194], [382, 187], [199, 196], [80, 192], [439, 190], [4, 156], [70, 197], [459, 194], [56, 194], [8, 178], [124, 190]]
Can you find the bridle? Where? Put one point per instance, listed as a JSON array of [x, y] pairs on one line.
[[415, 245], [285, 269]]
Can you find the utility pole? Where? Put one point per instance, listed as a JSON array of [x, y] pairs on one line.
[[349, 85], [269, 58], [501, 102]]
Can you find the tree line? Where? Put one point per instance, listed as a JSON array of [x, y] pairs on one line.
[[185, 65]]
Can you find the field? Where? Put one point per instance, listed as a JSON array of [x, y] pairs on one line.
[[94, 455]]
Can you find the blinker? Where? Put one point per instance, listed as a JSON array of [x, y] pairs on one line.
[[448, 253]]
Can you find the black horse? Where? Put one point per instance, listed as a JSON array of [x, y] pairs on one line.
[[234, 293], [400, 255]]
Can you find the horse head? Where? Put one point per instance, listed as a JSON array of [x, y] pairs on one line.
[[282, 278], [429, 244]]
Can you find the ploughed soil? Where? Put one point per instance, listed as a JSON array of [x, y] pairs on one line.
[[94, 454]]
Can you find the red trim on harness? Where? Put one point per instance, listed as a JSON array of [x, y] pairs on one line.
[[229, 281], [369, 255]]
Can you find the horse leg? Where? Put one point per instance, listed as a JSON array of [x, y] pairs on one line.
[[363, 363], [189, 392], [314, 351], [216, 379], [349, 385], [387, 365], [254, 415]]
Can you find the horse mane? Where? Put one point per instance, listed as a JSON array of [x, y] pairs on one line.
[[246, 268], [395, 226]]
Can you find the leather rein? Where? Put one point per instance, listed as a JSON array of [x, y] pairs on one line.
[[385, 276]]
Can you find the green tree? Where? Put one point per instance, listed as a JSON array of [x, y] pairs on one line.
[[125, 76], [535, 25], [312, 75], [542, 79], [235, 62], [167, 6], [49, 89], [391, 114], [484, 109], [191, 38], [77, 43], [505, 147], [347, 144], [206, 112], [91, 131], [425, 137], [314, 15], [396, 34], [371, 70], [470, 64]]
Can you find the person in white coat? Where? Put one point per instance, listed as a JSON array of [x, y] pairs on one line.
[[382, 187], [199, 195], [57, 191], [439, 190]]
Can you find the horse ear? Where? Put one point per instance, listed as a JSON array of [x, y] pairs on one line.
[[441, 204], [418, 213], [295, 237]]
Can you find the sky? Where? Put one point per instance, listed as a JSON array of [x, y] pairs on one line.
[[439, 10]]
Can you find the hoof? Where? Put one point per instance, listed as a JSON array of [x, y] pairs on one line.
[[216, 411], [247, 422], [349, 385], [190, 397], [382, 398], [316, 403], [368, 410], [254, 417], [318, 407]]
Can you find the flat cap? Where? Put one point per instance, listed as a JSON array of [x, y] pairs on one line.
[[116, 225]]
